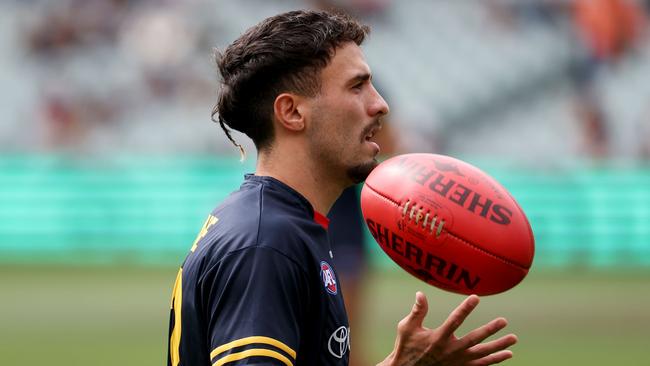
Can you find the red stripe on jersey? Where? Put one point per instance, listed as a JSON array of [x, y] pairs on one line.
[[321, 219]]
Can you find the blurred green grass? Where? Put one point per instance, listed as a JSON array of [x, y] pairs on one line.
[[561, 318], [110, 315]]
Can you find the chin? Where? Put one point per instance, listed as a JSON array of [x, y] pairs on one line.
[[359, 173]]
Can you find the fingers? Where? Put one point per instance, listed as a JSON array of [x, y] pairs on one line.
[[491, 359], [479, 334], [458, 316], [419, 310], [485, 349]]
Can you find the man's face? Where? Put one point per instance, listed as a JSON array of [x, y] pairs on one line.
[[345, 115]]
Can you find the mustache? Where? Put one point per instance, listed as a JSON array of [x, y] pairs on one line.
[[376, 124]]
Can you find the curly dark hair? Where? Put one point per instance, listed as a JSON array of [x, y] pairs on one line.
[[283, 53]]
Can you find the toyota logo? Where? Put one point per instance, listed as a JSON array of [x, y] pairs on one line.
[[339, 342]]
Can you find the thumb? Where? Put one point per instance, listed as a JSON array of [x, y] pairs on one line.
[[419, 310]]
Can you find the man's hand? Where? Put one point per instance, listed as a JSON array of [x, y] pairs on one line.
[[420, 346]]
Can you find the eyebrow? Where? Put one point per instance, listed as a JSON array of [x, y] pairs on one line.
[[360, 77]]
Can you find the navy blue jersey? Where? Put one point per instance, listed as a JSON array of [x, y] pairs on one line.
[[258, 287], [346, 232]]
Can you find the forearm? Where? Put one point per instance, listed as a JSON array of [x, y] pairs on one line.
[[389, 361]]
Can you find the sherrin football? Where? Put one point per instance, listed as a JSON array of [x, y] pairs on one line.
[[448, 223]]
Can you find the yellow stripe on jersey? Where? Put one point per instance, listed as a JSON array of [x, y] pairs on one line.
[[252, 353], [211, 220], [177, 301], [251, 340]]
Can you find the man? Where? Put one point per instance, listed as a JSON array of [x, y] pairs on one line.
[[258, 286]]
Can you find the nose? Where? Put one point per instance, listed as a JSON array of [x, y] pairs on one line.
[[378, 106]]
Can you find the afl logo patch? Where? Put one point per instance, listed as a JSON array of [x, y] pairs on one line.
[[329, 279]]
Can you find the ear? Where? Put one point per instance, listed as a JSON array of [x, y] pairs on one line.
[[287, 110]]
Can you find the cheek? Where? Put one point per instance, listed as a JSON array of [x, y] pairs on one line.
[[348, 132], [340, 122]]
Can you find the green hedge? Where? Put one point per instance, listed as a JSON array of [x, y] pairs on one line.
[[149, 209]]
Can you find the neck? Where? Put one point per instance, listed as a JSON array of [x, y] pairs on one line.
[[295, 169]]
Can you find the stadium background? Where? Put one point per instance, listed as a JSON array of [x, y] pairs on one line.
[[109, 164]]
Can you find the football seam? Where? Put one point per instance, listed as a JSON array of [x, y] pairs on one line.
[[467, 242]]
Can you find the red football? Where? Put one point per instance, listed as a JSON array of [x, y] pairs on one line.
[[448, 223]]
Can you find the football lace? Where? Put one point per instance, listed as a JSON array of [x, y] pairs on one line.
[[415, 214]]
